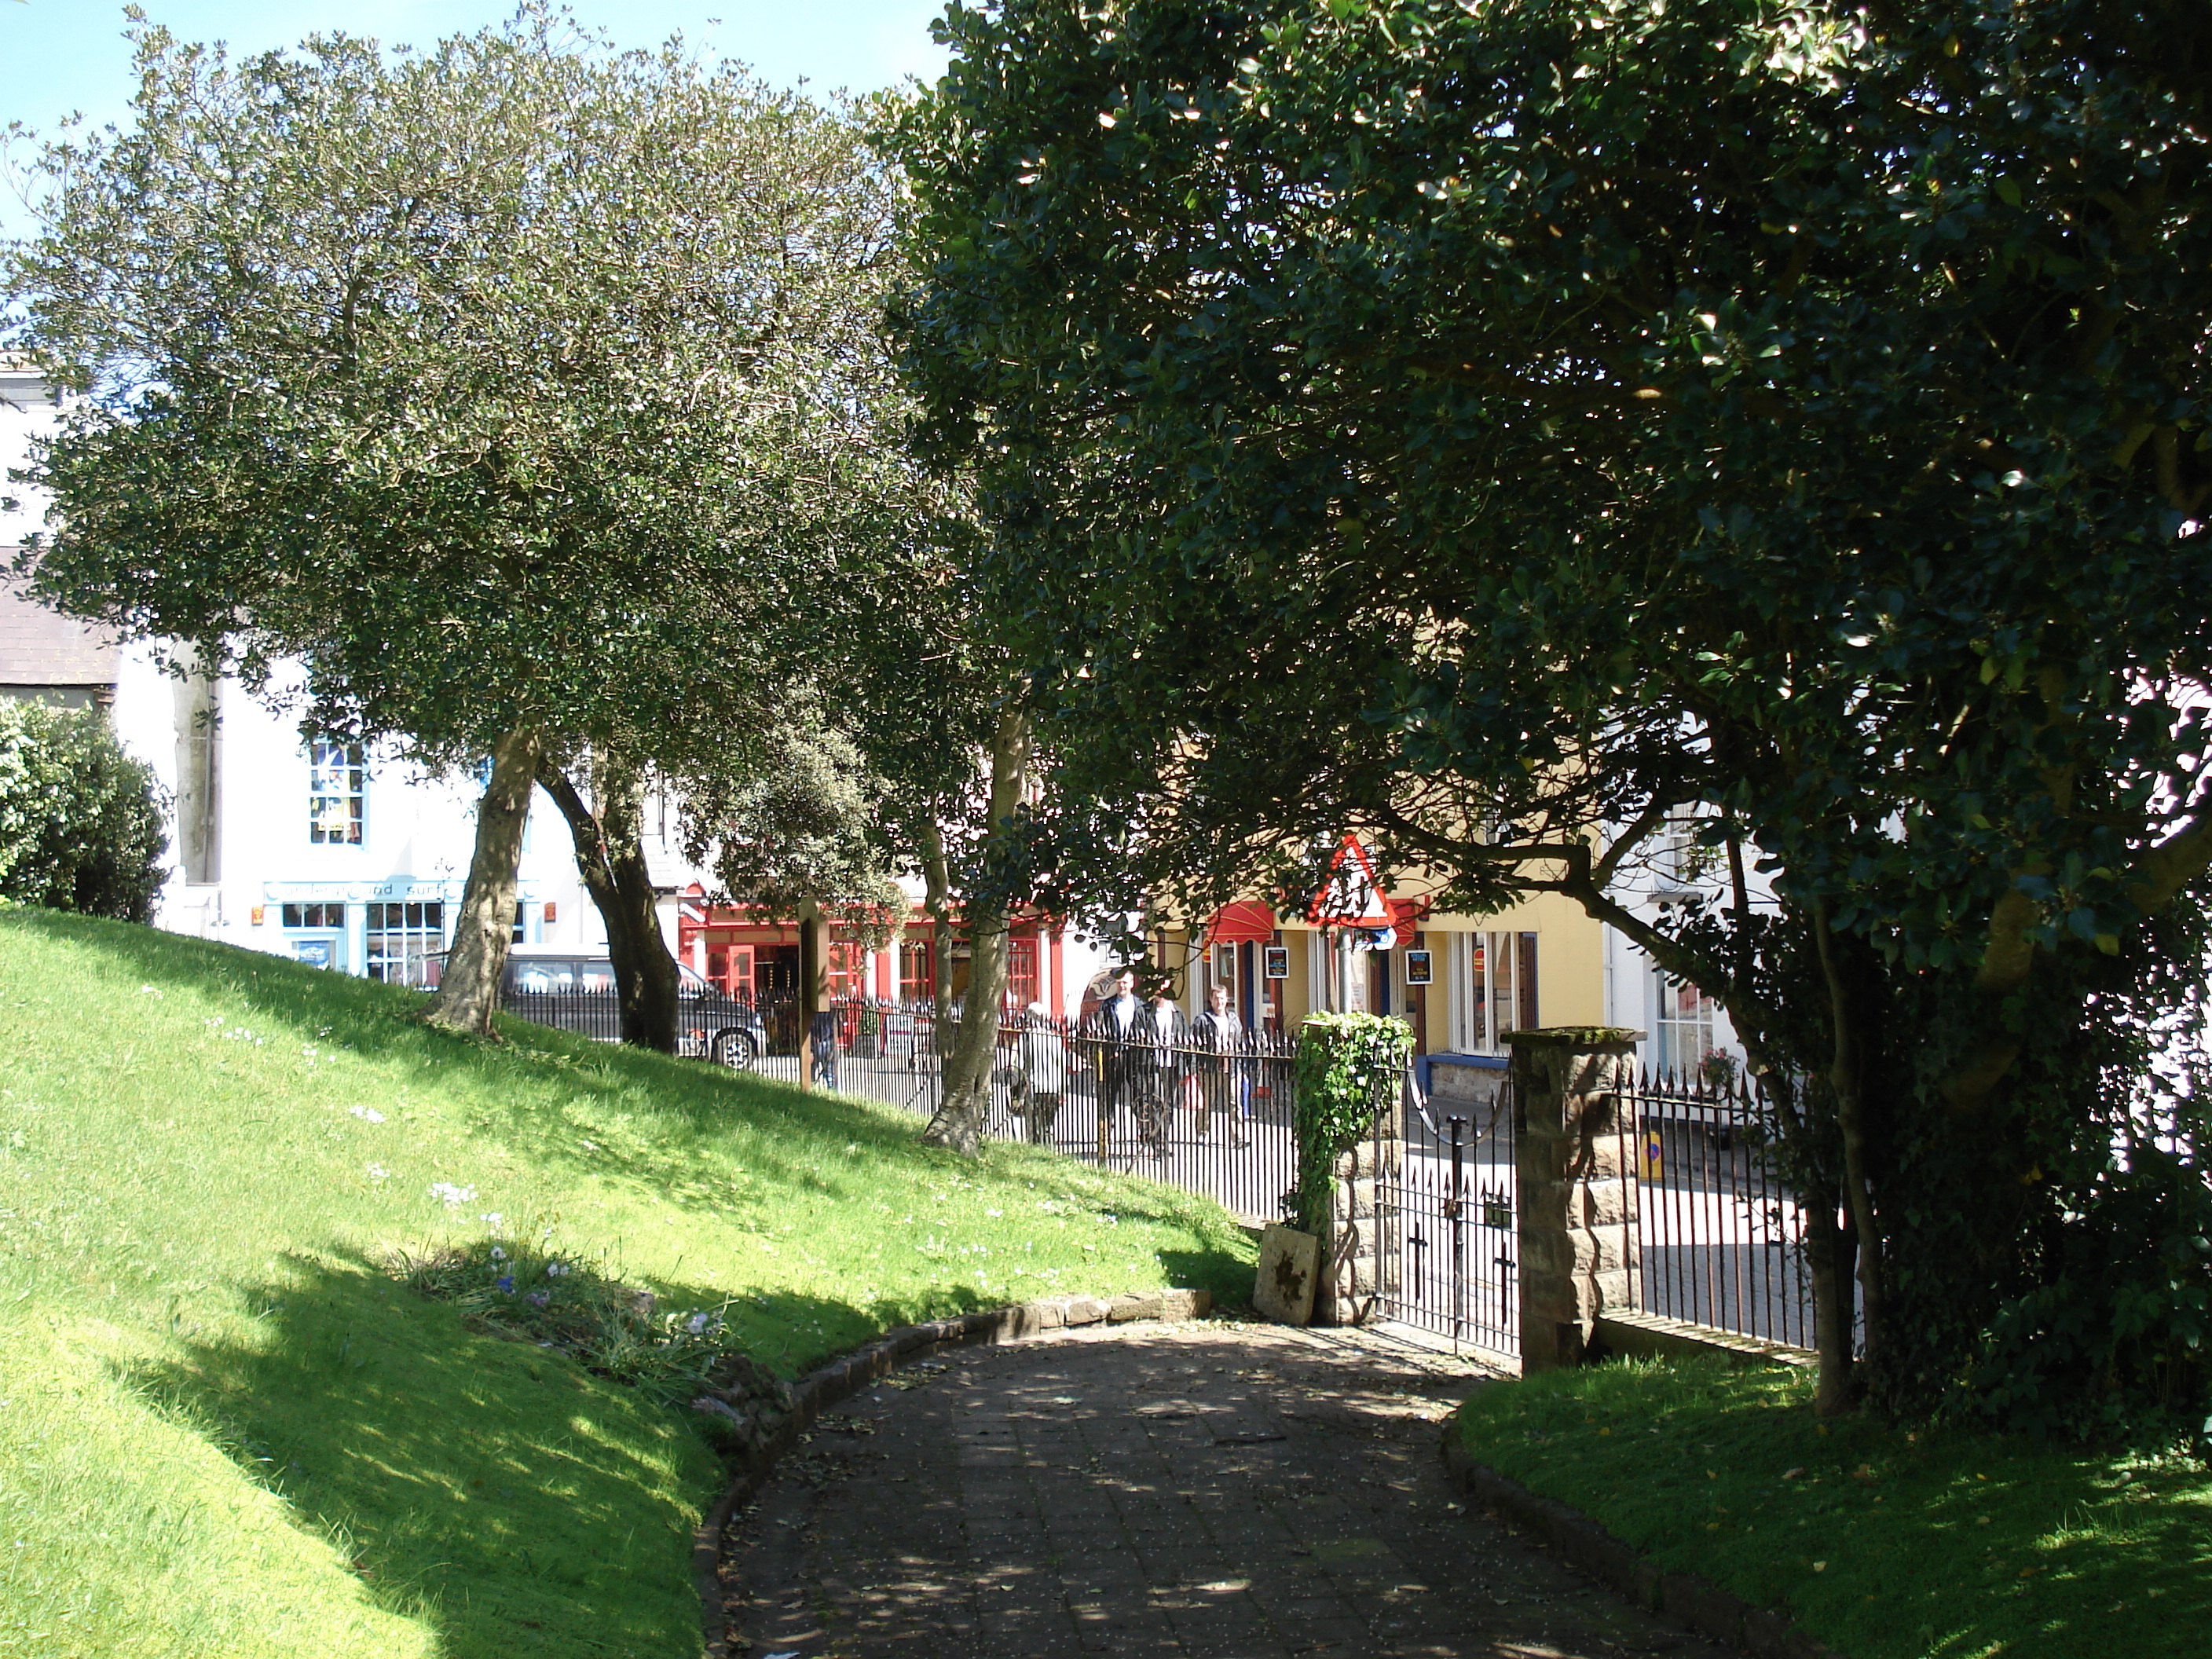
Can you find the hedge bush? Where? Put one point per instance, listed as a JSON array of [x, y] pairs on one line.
[[80, 821]]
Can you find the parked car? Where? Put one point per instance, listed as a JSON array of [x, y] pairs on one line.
[[575, 990]]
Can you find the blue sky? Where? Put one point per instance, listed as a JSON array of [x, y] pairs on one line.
[[61, 56]]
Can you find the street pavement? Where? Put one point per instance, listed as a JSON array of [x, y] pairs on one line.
[[1246, 1491]]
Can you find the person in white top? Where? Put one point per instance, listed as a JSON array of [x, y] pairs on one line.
[[1167, 1036]]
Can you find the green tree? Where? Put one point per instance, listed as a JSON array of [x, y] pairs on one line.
[[485, 381], [1508, 426]]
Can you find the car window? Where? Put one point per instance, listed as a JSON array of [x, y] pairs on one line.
[[544, 974]]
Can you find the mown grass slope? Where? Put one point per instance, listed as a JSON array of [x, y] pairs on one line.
[[225, 1430], [1886, 1542]]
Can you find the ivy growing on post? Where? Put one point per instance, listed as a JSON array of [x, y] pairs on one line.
[[1350, 1068]]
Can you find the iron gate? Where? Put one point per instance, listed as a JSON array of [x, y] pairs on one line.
[[1446, 1224]]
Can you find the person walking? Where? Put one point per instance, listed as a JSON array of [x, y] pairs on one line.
[[1166, 1035], [1225, 1074], [822, 1038], [1113, 1026], [1042, 1056]]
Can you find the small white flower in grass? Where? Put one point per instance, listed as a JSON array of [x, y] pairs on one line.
[[558, 1270], [492, 1220], [367, 1113], [700, 1323], [995, 1212], [497, 1254], [378, 1172], [148, 991], [450, 1195]]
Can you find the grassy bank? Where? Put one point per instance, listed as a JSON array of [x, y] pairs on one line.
[[1886, 1544], [225, 1429]]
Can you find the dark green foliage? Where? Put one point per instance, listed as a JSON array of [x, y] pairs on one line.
[[1509, 429], [79, 820], [1350, 1067]]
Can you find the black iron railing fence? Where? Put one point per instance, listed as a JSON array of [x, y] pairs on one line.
[[1211, 1116], [1209, 1113], [1719, 1238]]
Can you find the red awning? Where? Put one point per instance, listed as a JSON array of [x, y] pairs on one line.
[[1246, 922], [1410, 914]]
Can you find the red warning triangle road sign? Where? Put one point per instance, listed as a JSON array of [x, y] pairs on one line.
[[1351, 897]]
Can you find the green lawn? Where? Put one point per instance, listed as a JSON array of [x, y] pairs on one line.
[[1885, 1543], [224, 1428]]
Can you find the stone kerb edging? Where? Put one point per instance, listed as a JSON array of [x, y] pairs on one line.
[[772, 1422], [1698, 1603]]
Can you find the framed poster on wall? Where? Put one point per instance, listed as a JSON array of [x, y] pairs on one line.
[[1276, 959], [1418, 968]]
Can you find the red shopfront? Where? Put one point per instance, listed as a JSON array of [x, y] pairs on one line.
[[757, 960]]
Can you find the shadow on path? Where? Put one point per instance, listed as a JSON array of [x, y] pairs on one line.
[[1244, 1491]]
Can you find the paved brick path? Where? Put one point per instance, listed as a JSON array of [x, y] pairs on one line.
[[1211, 1489]]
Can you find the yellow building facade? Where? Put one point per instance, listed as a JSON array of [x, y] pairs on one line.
[[1461, 982]]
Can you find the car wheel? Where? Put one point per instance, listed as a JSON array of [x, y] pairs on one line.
[[735, 1049]]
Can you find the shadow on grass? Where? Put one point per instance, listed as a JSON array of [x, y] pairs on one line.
[[493, 1490], [1889, 1543]]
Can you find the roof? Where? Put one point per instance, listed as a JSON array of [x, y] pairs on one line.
[[39, 647]]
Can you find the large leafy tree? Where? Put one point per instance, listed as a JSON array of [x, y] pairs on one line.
[[1509, 426], [497, 384]]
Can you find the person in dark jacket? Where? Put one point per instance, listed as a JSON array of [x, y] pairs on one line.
[[823, 1040], [1225, 1073], [1112, 1027]]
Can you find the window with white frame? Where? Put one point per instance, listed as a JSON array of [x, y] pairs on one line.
[[402, 939], [1681, 1027], [338, 791], [1492, 989]]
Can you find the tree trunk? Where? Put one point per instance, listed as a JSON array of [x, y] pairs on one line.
[[1828, 1255], [966, 1103], [1846, 1077], [610, 857], [468, 987]]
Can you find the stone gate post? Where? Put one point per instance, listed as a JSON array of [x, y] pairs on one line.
[[1353, 1255], [1575, 1185]]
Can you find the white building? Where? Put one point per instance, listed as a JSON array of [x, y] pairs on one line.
[[307, 849], [1683, 1026]]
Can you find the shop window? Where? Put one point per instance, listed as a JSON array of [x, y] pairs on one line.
[[847, 969], [1493, 989], [731, 967], [1021, 972], [315, 915], [402, 939], [338, 789], [917, 974]]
